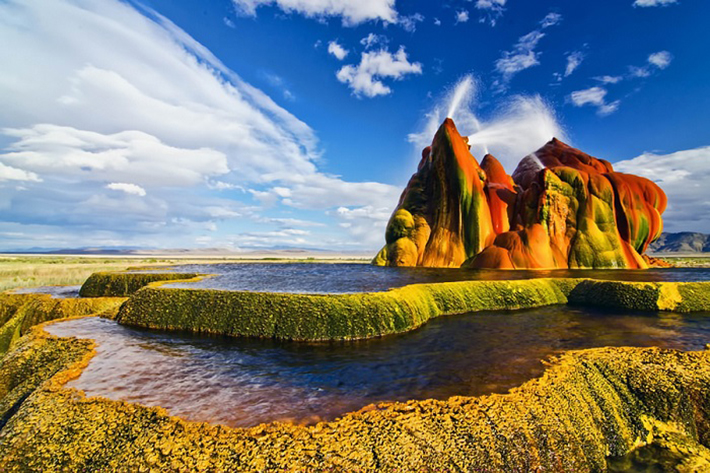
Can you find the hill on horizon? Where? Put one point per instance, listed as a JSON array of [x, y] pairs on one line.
[[681, 242]]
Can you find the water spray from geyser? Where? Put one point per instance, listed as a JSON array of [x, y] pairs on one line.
[[464, 93], [520, 123]]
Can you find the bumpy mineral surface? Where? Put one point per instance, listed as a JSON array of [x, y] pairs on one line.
[[615, 408], [561, 208]]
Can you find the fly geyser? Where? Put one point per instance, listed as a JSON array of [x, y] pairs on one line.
[[561, 208]]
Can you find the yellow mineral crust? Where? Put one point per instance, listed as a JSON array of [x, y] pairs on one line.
[[590, 407]]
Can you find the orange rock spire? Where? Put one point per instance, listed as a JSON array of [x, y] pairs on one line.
[[562, 208]]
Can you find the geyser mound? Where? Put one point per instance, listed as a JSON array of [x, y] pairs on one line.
[[562, 208]]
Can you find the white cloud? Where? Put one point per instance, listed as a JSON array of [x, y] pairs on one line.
[[495, 5], [635, 72], [9, 173], [574, 59], [461, 16], [595, 96], [366, 224], [279, 83], [229, 23], [365, 78], [661, 59], [551, 19], [352, 12], [523, 55], [490, 4], [159, 112], [337, 50], [129, 155], [591, 96], [372, 40], [127, 188], [409, 23], [437, 22], [493, 9], [683, 175], [609, 79], [320, 191], [654, 3], [291, 222], [608, 108]]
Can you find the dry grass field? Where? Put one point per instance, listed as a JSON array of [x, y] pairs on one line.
[[46, 270], [29, 271]]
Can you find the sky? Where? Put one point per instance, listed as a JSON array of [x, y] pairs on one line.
[[250, 124]]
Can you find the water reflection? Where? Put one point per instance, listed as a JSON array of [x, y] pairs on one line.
[[245, 382], [57, 292]]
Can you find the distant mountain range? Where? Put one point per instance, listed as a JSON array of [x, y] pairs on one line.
[[683, 242], [270, 252]]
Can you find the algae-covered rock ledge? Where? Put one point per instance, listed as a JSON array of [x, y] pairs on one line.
[[125, 283], [319, 317]]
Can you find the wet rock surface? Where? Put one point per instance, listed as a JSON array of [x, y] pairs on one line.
[[562, 208]]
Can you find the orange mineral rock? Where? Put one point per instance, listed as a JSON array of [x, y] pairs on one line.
[[562, 208]]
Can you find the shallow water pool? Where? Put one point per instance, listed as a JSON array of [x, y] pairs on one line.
[[341, 278], [241, 382]]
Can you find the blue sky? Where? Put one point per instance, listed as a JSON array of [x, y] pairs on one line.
[[246, 124]]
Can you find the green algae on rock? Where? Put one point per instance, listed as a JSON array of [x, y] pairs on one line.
[[317, 317], [125, 283], [651, 296], [19, 312], [588, 407], [328, 316]]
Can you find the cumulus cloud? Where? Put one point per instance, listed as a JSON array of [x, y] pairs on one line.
[[80, 127], [654, 3], [127, 188], [352, 12], [365, 78], [523, 55], [661, 59], [683, 175], [337, 50], [595, 96], [461, 16]]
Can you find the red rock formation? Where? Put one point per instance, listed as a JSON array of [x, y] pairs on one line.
[[562, 208]]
